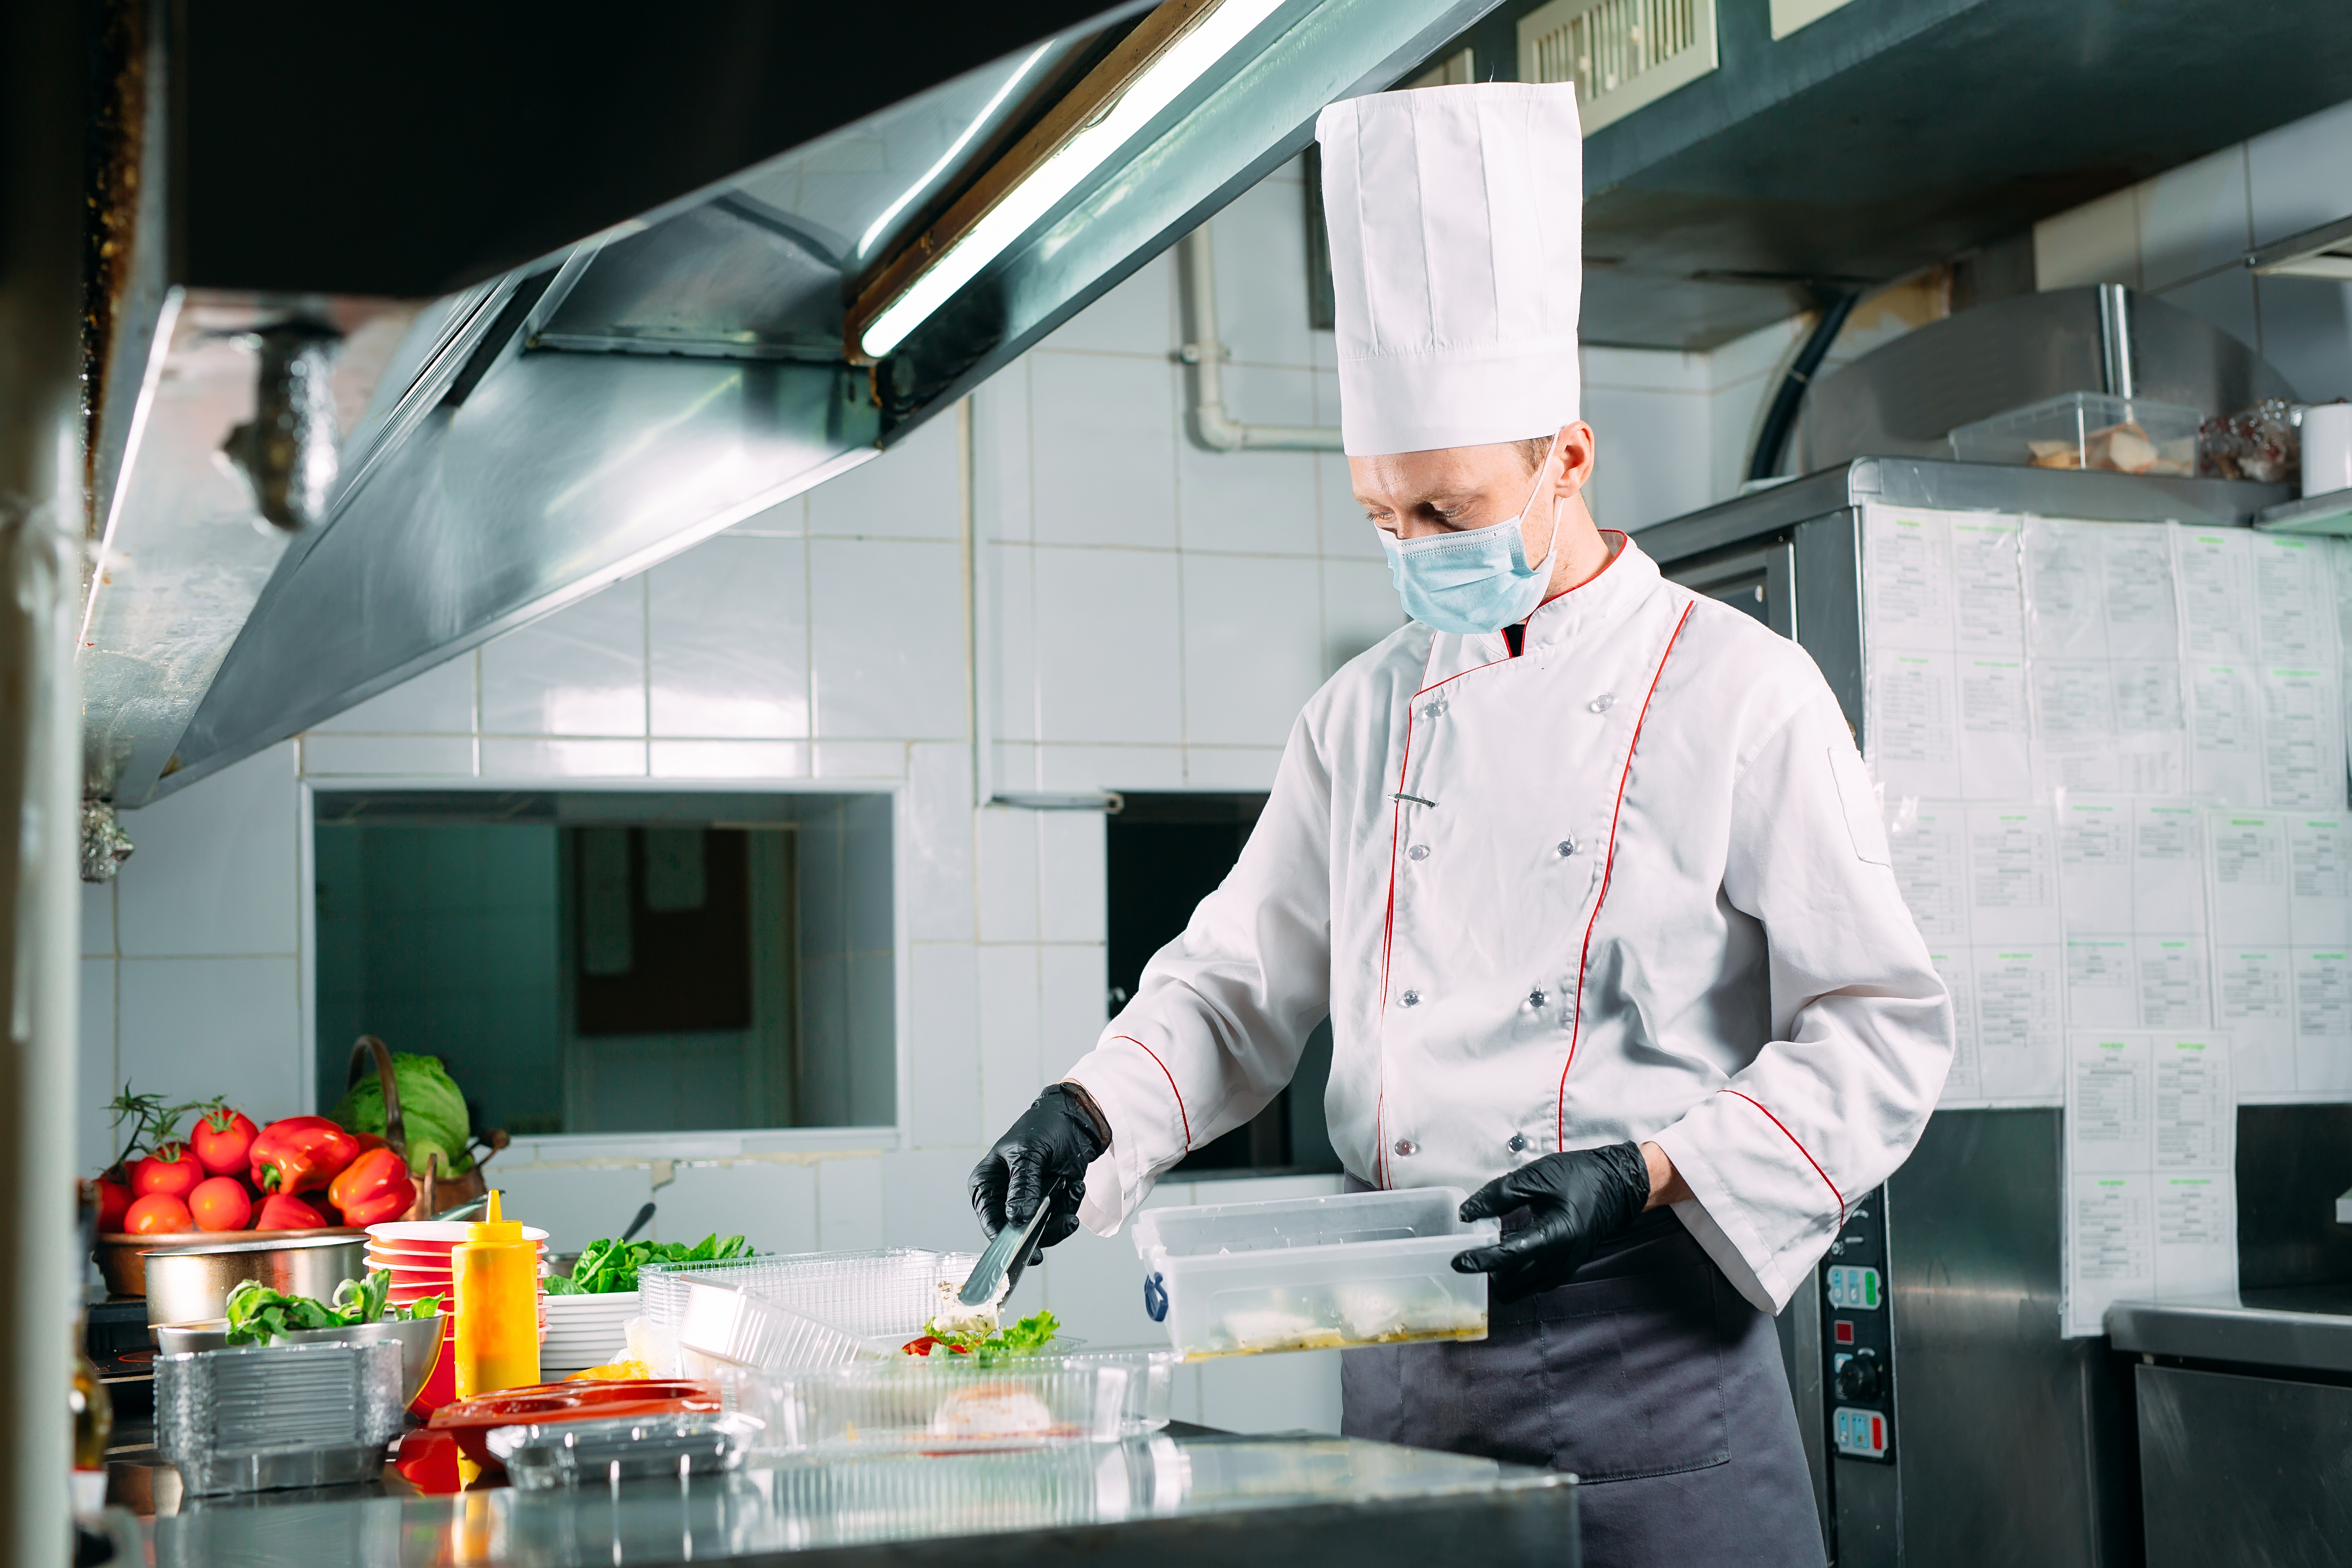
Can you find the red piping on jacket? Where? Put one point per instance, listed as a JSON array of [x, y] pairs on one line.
[[1808, 1153], [1181, 1115], [1608, 868]]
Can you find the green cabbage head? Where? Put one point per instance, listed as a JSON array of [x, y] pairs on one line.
[[430, 1106]]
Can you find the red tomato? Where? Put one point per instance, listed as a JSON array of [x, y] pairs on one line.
[[284, 1211], [170, 1171], [223, 1142], [113, 1203], [220, 1203], [157, 1213]]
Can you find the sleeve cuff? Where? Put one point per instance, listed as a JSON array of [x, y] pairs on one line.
[[1717, 1221]]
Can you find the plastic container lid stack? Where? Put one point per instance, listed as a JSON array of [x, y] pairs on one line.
[[1358, 1269]]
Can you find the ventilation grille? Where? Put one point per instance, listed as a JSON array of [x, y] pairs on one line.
[[1621, 54]]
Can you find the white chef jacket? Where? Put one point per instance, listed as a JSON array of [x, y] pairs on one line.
[[1630, 885]]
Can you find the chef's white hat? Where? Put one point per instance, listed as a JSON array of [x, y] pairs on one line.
[[1456, 224]]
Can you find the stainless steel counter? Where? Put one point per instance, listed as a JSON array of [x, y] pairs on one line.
[[2302, 1326], [1164, 1499], [2244, 1406]]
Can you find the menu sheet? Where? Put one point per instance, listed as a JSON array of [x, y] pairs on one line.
[[1947, 712], [2103, 635], [1979, 879], [2261, 619], [2131, 875], [2151, 1154], [2280, 886]]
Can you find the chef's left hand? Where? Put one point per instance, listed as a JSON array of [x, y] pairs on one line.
[[1578, 1200]]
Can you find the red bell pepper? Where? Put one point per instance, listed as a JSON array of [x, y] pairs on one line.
[[223, 1142], [374, 1188], [172, 1172], [283, 1211], [301, 1155]]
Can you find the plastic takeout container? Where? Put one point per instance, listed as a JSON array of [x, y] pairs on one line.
[[1358, 1268], [253, 1418], [816, 1308], [542, 1456], [919, 1404], [1151, 1383], [471, 1421], [2086, 430]]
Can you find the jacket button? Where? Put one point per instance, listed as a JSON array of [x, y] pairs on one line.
[[1406, 1146], [1518, 1143], [1419, 852], [1601, 704], [1433, 710], [1410, 998], [1566, 848], [1537, 998]]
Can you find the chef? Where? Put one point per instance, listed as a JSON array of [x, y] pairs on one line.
[[1588, 876]]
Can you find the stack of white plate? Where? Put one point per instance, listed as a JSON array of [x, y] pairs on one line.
[[585, 1331]]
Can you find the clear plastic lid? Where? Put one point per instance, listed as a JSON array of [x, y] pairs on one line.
[[594, 1453], [862, 1294], [926, 1405]]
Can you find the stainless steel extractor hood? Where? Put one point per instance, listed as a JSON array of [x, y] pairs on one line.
[[545, 428]]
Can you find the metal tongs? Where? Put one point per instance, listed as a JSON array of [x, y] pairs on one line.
[[1007, 1255]]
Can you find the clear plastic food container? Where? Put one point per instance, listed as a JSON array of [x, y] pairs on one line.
[[862, 1294], [1151, 1383], [1358, 1269], [2086, 430], [253, 1418], [919, 1405], [539, 1457]]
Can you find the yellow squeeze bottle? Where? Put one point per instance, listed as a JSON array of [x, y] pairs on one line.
[[494, 1273]]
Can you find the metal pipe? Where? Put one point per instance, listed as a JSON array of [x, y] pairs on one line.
[[2116, 340], [1213, 429], [42, 109]]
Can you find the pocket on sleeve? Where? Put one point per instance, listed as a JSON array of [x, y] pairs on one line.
[[1861, 803]]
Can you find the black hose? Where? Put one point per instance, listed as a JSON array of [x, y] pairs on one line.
[[1765, 461]]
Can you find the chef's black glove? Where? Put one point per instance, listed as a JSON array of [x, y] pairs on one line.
[[1579, 1200], [1055, 1140]]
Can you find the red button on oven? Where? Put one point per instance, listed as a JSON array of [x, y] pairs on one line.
[[1844, 1331]]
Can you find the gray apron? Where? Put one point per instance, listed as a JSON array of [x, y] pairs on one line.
[[1649, 1377]]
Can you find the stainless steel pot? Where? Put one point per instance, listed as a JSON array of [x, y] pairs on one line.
[[191, 1285]]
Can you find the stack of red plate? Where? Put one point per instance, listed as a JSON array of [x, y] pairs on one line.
[[417, 1254]]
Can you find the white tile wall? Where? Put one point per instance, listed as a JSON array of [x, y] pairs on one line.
[[2182, 235], [579, 671], [728, 631]]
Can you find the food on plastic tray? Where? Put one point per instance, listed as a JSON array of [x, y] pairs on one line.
[[1356, 1314], [954, 1320], [991, 1411]]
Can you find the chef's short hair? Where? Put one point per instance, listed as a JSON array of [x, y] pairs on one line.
[[1534, 450]]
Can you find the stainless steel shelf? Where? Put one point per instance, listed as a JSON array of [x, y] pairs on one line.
[[2309, 1328], [2330, 513]]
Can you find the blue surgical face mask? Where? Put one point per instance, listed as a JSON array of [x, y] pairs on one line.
[[1477, 580]]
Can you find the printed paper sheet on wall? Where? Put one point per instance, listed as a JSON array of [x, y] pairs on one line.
[[2065, 720], [2151, 1192]]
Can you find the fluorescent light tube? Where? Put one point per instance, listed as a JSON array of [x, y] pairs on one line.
[[1181, 64]]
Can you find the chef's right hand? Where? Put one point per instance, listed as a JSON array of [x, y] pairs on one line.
[[1055, 1140]]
